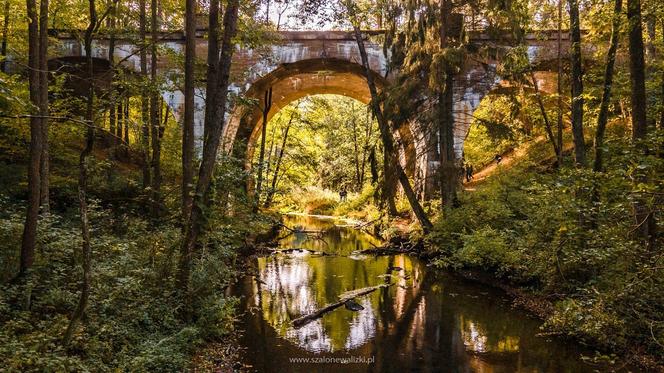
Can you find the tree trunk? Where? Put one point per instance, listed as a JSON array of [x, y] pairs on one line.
[[145, 134], [273, 188], [651, 52], [608, 82], [43, 106], [560, 85], [189, 109], [86, 252], [386, 133], [637, 70], [661, 115], [210, 148], [267, 105], [120, 120], [5, 35], [212, 66], [644, 217], [155, 122], [365, 148], [268, 165], [448, 171], [577, 85], [126, 121], [389, 182], [547, 124], [28, 241], [112, 125], [356, 151]]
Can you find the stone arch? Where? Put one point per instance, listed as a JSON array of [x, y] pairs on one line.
[[480, 80], [292, 81]]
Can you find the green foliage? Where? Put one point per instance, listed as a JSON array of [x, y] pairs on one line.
[[312, 200], [543, 230], [359, 205], [327, 150], [133, 321]]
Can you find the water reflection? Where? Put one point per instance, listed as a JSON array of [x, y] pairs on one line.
[[325, 235], [424, 322]]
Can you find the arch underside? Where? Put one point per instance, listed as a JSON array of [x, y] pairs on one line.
[[291, 82], [477, 82]]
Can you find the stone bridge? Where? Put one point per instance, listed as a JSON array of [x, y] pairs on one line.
[[301, 63]]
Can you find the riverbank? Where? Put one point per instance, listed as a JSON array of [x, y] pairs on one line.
[[543, 306]]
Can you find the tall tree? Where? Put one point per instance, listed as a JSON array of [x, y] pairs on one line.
[[385, 130], [577, 84], [111, 21], [603, 115], [5, 35], [559, 136], [389, 185], [155, 105], [277, 164], [210, 146], [86, 250], [644, 218], [126, 120], [189, 108], [212, 65], [448, 172], [145, 127], [43, 106], [661, 104], [28, 241], [267, 105], [356, 148]]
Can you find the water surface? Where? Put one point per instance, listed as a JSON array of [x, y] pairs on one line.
[[426, 321]]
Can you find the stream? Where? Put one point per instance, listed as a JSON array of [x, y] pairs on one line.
[[426, 321]]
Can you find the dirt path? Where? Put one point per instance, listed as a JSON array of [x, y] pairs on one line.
[[509, 158]]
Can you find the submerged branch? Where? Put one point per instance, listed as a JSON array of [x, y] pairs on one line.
[[343, 299]]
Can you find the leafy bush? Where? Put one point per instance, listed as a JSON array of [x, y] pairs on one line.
[[569, 235], [133, 320], [311, 200]]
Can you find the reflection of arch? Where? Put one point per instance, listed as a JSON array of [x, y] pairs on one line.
[[292, 81]]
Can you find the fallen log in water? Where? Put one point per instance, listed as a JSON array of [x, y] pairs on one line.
[[343, 298], [296, 250]]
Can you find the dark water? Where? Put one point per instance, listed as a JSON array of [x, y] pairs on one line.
[[426, 321]]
